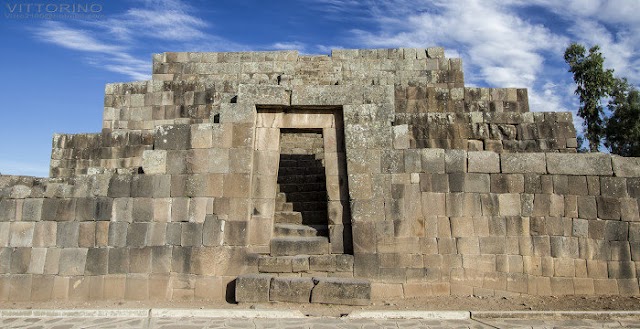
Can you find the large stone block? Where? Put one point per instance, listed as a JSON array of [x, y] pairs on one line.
[[615, 187], [263, 95], [72, 261], [157, 186], [213, 231], [524, 163], [45, 234], [608, 208], [117, 235], [120, 185], [20, 260], [21, 234], [460, 182], [181, 259], [291, 290], [327, 95], [97, 261], [483, 162], [433, 161], [455, 161], [201, 136], [32, 209], [629, 210], [137, 234], [633, 187], [8, 209], [161, 259], [507, 183], [191, 234], [208, 161], [626, 167], [579, 164], [142, 210], [68, 234], [463, 204], [172, 137], [282, 264], [295, 246], [341, 291], [253, 288]]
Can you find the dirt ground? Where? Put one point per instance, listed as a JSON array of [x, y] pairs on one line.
[[550, 303]]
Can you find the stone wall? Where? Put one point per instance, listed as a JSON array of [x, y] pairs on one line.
[[434, 188], [482, 223]]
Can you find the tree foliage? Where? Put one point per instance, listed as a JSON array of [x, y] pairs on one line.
[[622, 130], [594, 83]]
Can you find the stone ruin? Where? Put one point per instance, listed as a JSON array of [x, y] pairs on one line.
[[275, 176]]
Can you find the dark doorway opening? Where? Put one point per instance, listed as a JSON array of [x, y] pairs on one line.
[[302, 191]]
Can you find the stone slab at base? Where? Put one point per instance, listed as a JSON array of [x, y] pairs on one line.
[[342, 291], [263, 288]]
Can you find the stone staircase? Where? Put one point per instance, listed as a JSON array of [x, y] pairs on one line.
[[300, 218], [300, 267]]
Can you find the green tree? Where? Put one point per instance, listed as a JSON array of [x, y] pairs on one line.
[[594, 83], [622, 130]]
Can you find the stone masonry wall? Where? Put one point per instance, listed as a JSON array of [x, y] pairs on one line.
[[440, 189], [482, 223]]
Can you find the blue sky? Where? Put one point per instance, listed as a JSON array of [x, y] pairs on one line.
[[55, 65]]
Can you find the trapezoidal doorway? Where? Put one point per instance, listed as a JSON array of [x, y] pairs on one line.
[[300, 192], [301, 201]]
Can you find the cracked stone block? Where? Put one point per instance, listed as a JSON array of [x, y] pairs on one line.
[[291, 290], [342, 291], [253, 288]]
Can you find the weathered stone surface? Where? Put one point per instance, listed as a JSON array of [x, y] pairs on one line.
[[579, 164], [299, 245], [291, 290], [626, 167], [455, 161], [523, 163], [172, 137], [282, 264], [245, 112], [429, 188], [263, 94], [341, 291], [253, 288], [483, 162], [154, 162]]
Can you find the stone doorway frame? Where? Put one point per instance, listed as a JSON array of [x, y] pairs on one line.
[[367, 112], [269, 122]]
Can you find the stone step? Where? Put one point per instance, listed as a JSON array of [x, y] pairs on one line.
[[293, 230], [301, 179], [291, 246], [306, 187], [314, 217], [334, 263], [264, 288], [288, 217], [288, 163], [309, 206], [287, 171], [307, 196], [284, 206]]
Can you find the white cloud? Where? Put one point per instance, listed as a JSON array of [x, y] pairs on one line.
[[76, 39], [117, 47], [499, 48], [613, 25], [503, 47], [164, 20], [103, 54], [295, 45]]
